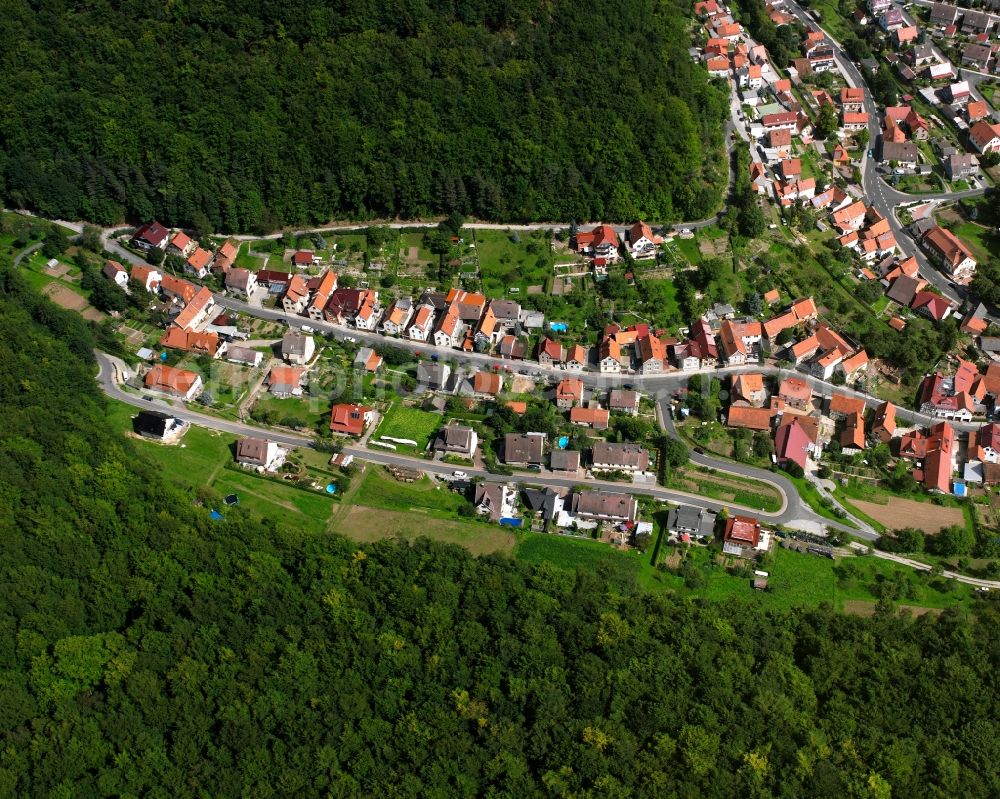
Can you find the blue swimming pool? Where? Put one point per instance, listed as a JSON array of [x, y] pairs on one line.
[[563, 441]]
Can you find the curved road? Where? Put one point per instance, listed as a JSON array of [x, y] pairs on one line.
[[109, 369]]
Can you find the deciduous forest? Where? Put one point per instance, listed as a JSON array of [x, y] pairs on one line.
[[146, 650], [254, 115]]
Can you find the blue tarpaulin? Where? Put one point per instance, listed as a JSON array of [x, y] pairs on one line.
[[507, 521]]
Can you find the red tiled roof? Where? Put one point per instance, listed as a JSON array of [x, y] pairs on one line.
[[752, 418]]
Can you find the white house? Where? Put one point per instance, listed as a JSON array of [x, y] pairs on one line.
[[422, 323]]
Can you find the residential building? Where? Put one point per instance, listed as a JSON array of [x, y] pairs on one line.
[[642, 242], [422, 323], [609, 355], [961, 165], [486, 385], [369, 313], [397, 317], [150, 235], [612, 457], [652, 354], [943, 14], [146, 276], [456, 439], [303, 259], [297, 348], [596, 418], [577, 358], [623, 401], [116, 273], [569, 392], [296, 295], [743, 537], [259, 454], [450, 328], [740, 340], [551, 352], [190, 341], [496, 500], [985, 137], [904, 155], [321, 296], [566, 461], [791, 444], [367, 360], [196, 311], [691, 522], [433, 376], [179, 383], [181, 244], [602, 242], [795, 393], [241, 282], [524, 449], [884, 422], [600, 506], [177, 288], [159, 426], [749, 388], [950, 254], [198, 262], [285, 381], [349, 419], [243, 355], [977, 56]]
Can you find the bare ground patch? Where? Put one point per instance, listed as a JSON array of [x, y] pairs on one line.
[[859, 607], [364, 525], [65, 297], [898, 513]]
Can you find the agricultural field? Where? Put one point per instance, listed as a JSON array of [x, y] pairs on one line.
[[896, 513]]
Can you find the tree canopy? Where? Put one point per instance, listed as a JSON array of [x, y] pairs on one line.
[[253, 115]]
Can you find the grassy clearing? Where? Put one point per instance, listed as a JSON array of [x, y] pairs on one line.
[[270, 499], [380, 490], [803, 580], [364, 525], [981, 240], [512, 260], [726, 488], [402, 421]]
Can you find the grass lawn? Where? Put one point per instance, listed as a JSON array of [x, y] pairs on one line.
[[505, 263], [725, 487], [380, 490], [804, 580], [271, 499], [689, 249], [813, 499], [292, 412], [981, 240], [402, 421]]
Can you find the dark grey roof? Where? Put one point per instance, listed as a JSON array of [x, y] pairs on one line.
[[523, 447], [624, 455], [903, 288], [253, 450], [689, 519], [900, 151], [433, 374], [434, 299], [454, 437], [506, 310], [989, 343]]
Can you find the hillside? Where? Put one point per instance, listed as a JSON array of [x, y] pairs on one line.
[[254, 115], [148, 650]]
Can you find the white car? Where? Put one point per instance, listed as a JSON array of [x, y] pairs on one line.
[[459, 475], [306, 329]]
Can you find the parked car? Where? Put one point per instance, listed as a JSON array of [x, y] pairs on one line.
[[459, 475]]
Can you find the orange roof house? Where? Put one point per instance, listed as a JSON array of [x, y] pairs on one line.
[[884, 422], [596, 418], [176, 382], [750, 418], [349, 419], [196, 309]]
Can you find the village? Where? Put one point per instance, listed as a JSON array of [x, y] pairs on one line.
[[497, 376]]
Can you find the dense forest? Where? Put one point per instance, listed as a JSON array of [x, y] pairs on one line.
[[146, 650], [252, 115]]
